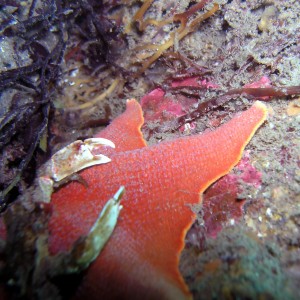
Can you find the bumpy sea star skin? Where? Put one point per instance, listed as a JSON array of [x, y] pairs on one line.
[[141, 259]]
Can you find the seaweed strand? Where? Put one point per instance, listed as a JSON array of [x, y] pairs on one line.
[[220, 100]]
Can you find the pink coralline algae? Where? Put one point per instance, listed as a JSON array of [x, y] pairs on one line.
[[222, 205], [194, 82], [263, 82], [159, 106]]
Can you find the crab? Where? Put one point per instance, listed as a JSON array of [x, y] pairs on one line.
[[31, 211], [61, 168], [67, 162]]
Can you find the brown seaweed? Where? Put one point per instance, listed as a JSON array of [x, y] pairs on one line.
[[220, 100], [41, 31]]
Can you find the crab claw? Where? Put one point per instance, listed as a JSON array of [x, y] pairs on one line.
[[77, 156], [67, 161], [84, 250], [93, 143], [87, 249], [99, 141]]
